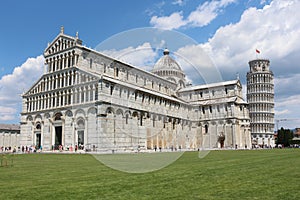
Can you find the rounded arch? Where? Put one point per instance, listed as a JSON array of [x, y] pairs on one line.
[[172, 79], [29, 118], [135, 114], [221, 122], [38, 117], [181, 83], [80, 122], [46, 115], [127, 115], [69, 113], [38, 126], [119, 112], [79, 111], [228, 121], [92, 110], [154, 116], [57, 116], [127, 112], [110, 110]]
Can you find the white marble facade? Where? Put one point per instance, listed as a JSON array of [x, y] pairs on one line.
[[9, 137], [260, 96], [90, 100]]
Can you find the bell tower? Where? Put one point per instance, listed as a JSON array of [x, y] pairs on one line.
[[260, 97]]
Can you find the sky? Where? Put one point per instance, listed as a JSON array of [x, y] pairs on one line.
[[226, 31]]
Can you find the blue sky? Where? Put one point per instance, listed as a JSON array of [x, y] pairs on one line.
[[228, 31]]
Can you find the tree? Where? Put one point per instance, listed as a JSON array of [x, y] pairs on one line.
[[284, 137]]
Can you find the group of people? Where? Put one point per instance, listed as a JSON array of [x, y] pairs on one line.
[[9, 149], [34, 149], [67, 148], [31, 149], [22, 149]]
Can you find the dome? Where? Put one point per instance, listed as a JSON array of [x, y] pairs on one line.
[[168, 68], [166, 63]]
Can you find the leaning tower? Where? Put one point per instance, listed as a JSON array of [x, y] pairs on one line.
[[260, 96]]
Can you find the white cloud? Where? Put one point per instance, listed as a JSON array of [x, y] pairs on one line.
[[7, 113], [207, 12], [13, 85], [285, 85], [196, 63], [287, 110], [293, 100], [287, 99], [174, 21], [202, 16], [282, 112], [262, 2], [178, 2], [274, 30]]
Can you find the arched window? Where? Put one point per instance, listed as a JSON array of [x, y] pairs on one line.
[[80, 124], [206, 128], [111, 89], [57, 116], [38, 126], [153, 121], [126, 119], [91, 63], [80, 133], [117, 72]]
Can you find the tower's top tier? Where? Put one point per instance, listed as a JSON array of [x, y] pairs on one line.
[[259, 65]]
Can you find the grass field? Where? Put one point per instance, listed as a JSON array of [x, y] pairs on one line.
[[257, 174]]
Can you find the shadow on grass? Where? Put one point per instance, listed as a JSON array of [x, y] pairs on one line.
[[138, 162]]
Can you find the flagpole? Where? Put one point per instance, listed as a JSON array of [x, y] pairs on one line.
[[257, 52]]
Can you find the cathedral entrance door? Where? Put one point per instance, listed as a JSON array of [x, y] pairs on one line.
[[38, 140], [80, 139], [58, 137]]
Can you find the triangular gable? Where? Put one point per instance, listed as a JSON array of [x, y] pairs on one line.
[[61, 43], [88, 76], [33, 87]]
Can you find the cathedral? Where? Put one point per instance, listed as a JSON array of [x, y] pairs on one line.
[[91, 101]]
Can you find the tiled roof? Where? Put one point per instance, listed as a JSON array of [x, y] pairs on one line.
[[15, 127], [210, 85]]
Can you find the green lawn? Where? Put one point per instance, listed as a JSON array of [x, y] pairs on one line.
[[257, 174]]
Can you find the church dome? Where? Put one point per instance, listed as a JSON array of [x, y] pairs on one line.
[[166, 63], [168, 68]]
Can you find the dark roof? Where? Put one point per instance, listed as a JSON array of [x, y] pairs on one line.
[[15, 127]]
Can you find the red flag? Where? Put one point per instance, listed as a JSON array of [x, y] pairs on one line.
[[257, 51]]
